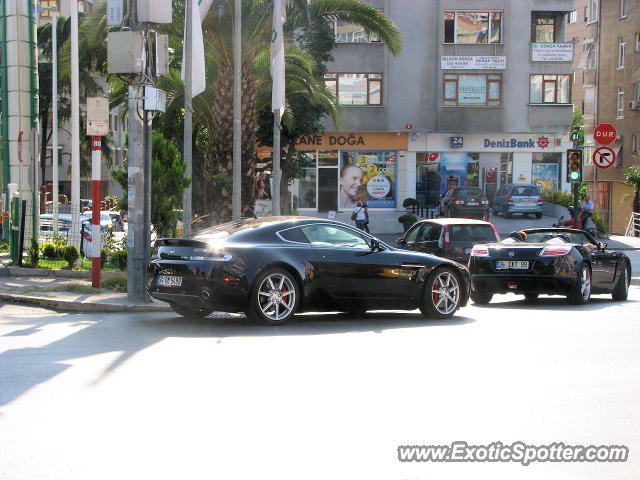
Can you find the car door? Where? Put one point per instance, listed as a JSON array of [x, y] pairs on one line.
[[350, 269], [497, 199], [603, 263]]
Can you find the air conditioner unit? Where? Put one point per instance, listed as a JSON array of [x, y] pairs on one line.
[[634, 105]]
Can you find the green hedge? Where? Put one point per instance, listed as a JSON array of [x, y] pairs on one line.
[[566, 199]]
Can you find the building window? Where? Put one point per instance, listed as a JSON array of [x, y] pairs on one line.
[[620, 103], [572, 17], [623, 8], [636, 92], [347, 32], [544, 30], [472, 89], [592, 11], [621, 48], [472, 27], [638, 42], [355, 89], [550, 89], [634, 143]]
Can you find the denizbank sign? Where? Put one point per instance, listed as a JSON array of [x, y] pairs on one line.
[[506, 142]]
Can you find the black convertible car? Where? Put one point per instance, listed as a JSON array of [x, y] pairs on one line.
[[273, 267], [557, 261]]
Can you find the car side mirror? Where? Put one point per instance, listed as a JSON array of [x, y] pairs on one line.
[[375, 244], [602, 245], [401, 241]]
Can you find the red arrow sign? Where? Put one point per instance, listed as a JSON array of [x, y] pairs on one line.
[[604, 157], [605, 134]]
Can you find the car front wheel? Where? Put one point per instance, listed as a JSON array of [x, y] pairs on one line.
[[441, 296], [275, 297], [621, 290], [580, 293]]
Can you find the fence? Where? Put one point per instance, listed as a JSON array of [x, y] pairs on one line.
[[33, 242], [633, 228]]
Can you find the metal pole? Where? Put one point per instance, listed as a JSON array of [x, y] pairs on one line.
[[75, 129], [188, 126], [275, 194], [96, 159], [147, 189], [54, 126], [236, 201]]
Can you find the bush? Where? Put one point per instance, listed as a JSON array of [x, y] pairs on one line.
[[559, 198], [70, 254], [103, 257], [410, 202], [407, 218], [49, 250], [119, 259], [4, 245], [599, 222], [34, 253]]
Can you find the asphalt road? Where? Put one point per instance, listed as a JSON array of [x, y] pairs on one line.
[[90, 396]]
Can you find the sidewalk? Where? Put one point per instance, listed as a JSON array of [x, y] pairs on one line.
[[42, 287]]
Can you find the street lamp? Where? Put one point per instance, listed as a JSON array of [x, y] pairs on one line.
[[54, 100]]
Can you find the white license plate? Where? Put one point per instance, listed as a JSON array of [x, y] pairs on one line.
[[473, 204], [169, 281], [512, 264]]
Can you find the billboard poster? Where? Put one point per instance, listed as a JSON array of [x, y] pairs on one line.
[[545, 175], [368, 176], [453, 169]]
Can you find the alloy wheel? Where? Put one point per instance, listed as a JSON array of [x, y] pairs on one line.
[[585, 287], [276, 297], [445, 293]]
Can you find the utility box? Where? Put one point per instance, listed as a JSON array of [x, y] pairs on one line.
[[154, 99], [125, 52], [154, 11], [159, 49]]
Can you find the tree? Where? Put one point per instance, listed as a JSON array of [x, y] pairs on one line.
[[167, 184], [632, 178]]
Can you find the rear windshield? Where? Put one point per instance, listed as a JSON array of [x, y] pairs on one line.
[[468, 192], [525, 191], [473, 233]]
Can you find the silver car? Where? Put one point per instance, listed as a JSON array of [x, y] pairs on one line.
[[522, 198]]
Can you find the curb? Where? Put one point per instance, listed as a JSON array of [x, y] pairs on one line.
[[71, 306]]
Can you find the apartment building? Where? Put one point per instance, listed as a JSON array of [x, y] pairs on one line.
[[606, 34], [479, 96]]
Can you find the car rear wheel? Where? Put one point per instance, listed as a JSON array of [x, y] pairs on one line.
[[275, 297], [191, 312], [505, 213], [621, 290], [580, 293], [481, 297], [538, 214], [442, 292]]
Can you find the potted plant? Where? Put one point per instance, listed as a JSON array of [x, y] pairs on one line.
[[407, 220], [409, 203]]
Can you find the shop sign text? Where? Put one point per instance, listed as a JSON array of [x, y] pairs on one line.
[[318, 140]]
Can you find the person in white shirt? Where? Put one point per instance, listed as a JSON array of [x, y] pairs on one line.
[[360, 215], [586, 209]]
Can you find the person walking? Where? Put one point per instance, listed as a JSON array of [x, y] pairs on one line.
[[366, 216], [358, 215]]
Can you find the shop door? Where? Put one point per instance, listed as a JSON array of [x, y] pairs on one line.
[[327, 189], [490, 185]]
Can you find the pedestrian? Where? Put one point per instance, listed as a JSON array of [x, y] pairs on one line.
[[358, 215], [366, 216]]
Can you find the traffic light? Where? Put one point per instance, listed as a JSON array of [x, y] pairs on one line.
[[575, 134], [574, 165]]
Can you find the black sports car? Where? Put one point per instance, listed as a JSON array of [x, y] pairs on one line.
[[273, 267], [557, 261]]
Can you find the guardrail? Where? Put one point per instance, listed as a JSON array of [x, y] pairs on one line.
[[633, 228]]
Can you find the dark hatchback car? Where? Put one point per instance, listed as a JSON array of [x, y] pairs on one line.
[[465, 202], [555, 261], [272, 267], [448, 237]]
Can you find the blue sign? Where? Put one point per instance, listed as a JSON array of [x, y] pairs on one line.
[[456, 142]]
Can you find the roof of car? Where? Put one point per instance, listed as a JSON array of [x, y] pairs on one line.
[[456, 221]]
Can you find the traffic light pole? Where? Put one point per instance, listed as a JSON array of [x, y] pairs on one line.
[[576, 187]]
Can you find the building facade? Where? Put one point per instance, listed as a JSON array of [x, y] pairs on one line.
[[607, 88], [480, 95]]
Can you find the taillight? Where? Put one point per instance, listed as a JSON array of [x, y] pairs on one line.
[[496, 232], [485, 202], [459, 202], [555, 251], [480, 251], [509, 198], [540, 199], [445, 237]]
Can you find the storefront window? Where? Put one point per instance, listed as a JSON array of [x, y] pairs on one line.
[[473, 170], [307, 183], [546, 170], [369, 176], [428, 179], [506, 168]]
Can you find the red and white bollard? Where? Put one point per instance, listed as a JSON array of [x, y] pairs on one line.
[[96, 236]]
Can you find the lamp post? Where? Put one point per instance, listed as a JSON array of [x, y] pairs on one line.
[[54, 107]]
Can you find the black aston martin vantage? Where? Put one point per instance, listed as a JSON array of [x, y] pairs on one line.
[[556, 261], [272, 267]]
